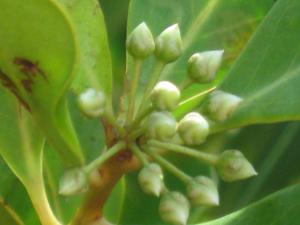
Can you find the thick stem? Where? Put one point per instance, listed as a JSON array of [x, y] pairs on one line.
[[133, 89], [105, 156], [94, 200], [169, 166], [140, 117], [139, 154], [205, 157]]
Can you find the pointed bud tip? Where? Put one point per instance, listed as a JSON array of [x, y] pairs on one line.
[[140, 42], [221, 105], [203, 66], [168, 45], [202, 191], [150, 179], [232, 165]]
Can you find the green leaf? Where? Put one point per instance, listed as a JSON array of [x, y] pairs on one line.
[[21, 145], [38, 55], [279, 208], [95, 69], [8, 215], [267, 73]]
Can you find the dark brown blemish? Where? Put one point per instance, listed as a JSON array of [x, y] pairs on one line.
[[29, 68], [27, 84], [10, 85]]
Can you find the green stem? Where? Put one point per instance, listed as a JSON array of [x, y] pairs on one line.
[[154, 77], [112, 120], [205, 157], [170, 167], [135, 134], [140, 117], [133, 89], [105, 156], [139, 154]]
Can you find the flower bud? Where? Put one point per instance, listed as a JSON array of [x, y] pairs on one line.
[[165, 96], [193, 129], [92, 103], [221, 105], [161, 126], [151, 179], [74, 181], [168, 45], [140, 43], [203, 66], [232, 165], [202, 192], [174, 208]]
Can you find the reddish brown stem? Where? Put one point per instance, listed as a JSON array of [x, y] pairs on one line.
[[111, 172]]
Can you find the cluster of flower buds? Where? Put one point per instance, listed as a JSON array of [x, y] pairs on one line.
[[160, 126]]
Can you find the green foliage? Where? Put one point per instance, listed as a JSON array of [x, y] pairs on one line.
[[48, 47], [277, 209], [267, 73]]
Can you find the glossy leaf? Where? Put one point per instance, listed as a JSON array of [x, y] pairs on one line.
[[277, 209], [21, 145], [38, 54], [267, 73], [95, 69]]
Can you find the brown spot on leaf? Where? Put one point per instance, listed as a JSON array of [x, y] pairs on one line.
[[29, 68], [10, 85], [27, 84]]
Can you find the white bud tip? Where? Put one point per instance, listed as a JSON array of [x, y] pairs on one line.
[[165, 96], [92, 103], [74, 181], [193, 129], [161, 126]]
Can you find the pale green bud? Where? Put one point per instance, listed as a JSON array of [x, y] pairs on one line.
[[174, 208], [165, 96], [202, 192], [168, 45], [140, 43], [221, 105], [193, 129], [73, 182], [92, 103], [161, 126], [232, 165], [203, 66], [151, 179]]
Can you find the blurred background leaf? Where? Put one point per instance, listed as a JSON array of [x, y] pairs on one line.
[[267, 75]]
